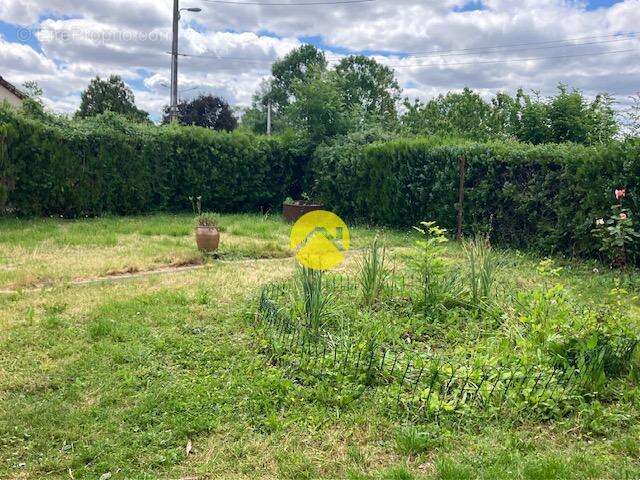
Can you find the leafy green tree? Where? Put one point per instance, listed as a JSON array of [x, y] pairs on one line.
[[533, 124], [254, 118], [504, 119], [33, 104], [369, 85], [464, 114], [33, 90], [111, 95], [568, 116], [633, 115], [206, 111], [565, 117], [297, 66], [319, 110], [601, 121]]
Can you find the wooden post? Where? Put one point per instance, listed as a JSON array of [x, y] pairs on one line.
[[462, 165]]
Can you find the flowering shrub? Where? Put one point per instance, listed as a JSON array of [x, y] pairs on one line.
[[617, 234]]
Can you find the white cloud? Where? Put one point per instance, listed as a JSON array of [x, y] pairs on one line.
[[83, 38]]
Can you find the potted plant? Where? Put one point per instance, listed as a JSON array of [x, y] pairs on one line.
[[207, 233], [292, 209]]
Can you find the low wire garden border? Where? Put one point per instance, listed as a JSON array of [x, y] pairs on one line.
[[419, 385]]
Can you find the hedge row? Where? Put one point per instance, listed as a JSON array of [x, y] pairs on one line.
[[107, 166], [543, 197]]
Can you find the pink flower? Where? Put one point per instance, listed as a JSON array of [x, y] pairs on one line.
[[623, 216], [621, 193], [600, 222]]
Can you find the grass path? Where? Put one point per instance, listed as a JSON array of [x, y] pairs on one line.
[[42, 252]]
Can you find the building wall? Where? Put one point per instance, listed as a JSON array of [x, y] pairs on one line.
[[9, 97]]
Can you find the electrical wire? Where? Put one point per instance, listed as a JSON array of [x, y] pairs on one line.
[[511, 60], [482, 62], [244, 59], [546, 42], [490, 50]]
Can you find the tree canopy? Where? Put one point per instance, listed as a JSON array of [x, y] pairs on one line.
[[565, 117], [297, 66], [307, 95], [206, 111], [371, 86], [111, 95]]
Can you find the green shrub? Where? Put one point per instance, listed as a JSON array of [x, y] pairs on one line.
[[545, 197], [55, 166]]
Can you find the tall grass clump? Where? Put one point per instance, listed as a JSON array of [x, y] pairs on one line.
[[373, 273], [483, 265], [314, 298]]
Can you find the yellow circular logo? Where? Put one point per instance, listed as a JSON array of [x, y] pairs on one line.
[[320, 239]]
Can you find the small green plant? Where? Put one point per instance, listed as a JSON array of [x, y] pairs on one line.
[[415, 441], [482, 270], [373, 273], [429, 264], [617, 234], [207, 220], [314, 299]]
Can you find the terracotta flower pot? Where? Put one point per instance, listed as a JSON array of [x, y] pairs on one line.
[[293, 211], [207, 239]]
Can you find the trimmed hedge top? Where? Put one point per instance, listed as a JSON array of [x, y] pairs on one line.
[[546, 197], [106, 165]]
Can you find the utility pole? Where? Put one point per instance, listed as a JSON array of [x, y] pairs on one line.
[[173, 105], [174, 63], [269, 118]]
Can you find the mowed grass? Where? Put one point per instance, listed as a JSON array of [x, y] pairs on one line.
[[43, 252], [118, 378]]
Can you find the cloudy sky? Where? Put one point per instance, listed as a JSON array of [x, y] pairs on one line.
[[434, 45]]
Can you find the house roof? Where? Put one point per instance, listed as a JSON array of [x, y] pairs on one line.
[[12, 89]]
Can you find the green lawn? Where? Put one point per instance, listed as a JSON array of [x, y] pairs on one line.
[[117, 377]]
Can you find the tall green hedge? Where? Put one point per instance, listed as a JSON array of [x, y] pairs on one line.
[[544, 197], [107, 165]]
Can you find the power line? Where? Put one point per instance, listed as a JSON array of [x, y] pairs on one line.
[[546, 42], [244, 59], [486, 62], [400, 65], [288, 4], [488, 50]]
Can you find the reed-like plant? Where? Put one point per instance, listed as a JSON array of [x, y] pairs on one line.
[[373, 273], [314, 299], [483, 265]]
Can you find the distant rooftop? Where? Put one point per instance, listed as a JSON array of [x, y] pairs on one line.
[[12, 89]]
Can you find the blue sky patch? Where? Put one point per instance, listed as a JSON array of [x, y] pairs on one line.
[[596, 4], [470, 6], [15, 34]]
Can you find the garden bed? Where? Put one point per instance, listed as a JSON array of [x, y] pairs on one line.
[[448, 344]]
